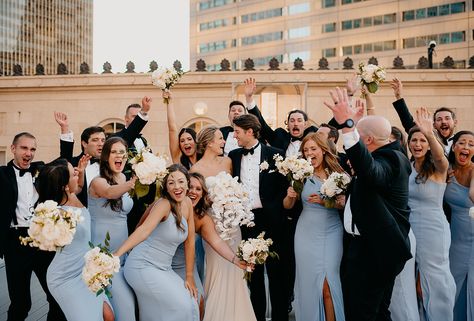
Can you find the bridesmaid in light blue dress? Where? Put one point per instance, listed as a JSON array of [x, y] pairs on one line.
[[109, 205], [428, 222], [318, 240], [58, 182], [459, 196], [161, 293]]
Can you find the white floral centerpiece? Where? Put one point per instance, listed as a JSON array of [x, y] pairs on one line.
[[149, 169], [230, 204], [165, 78], [335, 185], [371, 76], [255, 251], [100, 266], [294, 169], [52, 227]]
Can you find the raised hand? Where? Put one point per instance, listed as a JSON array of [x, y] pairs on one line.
[[249, 89], [424, 121], [359, 108], [352, 85], [62, 120], [82, 164], [340, 107], [146, 104], [397, 87]]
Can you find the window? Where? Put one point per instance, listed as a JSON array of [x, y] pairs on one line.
[[356, 23], [357, 49], [262, 15], [389, 45], [441, 39], [265, 60], [367, 47], [459, 36], [420, 13], [328, 3], [303, 55], [408, 43], [213, 24], [444, 38], [212, 46], [329, 52], [389, 18], [346, 25], [408, 15], [378, 46], [432, 11], [212, 4], [458, 7], [347, 51], [298, 32], [329, 27], [443, 10], [367, 22], [112, 128], [298, 8], [272, 36], [378, 20]]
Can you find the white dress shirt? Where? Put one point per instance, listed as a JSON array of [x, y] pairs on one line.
[[230, 143], [138, 142], [350, 139], [293, 148], [250, 176], [92, 171], [27, 197]]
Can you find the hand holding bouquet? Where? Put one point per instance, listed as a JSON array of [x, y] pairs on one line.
[[52, 227], [295, 169], [149, 169], [335, 185], [371, 76], [255, 251], [165, 79]]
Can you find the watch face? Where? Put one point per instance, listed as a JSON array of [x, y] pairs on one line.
[[349, 123]]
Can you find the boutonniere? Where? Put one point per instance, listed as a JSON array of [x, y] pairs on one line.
[[35, 175], [265, 166]]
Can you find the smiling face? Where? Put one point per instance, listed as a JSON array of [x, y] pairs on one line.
[[217, 144], [464, 150], [195, 190], [296, 124], [187, 144], [117, 157], [444, 123], [418, 145], [312, 151], [177, 186], [244, 137], [234, 111], [23, 151]]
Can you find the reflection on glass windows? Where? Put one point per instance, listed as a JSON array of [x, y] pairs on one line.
[[212, 46], [213, 24], [369, 21], [260, 61], [204, 5], [328, 3], [267, 14], [329, 27], [298, 8], [441, 39], [369, 47], [303, 55], [329, 52], [299, 32], [272, 36], [442, 10]]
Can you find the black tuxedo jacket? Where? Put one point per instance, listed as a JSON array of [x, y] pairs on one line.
[[272, 189], [379, 204], [9, 198], [404, 114], [226, 130], [279, 138]]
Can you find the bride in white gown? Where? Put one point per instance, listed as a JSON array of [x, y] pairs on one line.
[[227, 295]]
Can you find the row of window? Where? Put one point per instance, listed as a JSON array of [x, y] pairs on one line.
[[332, 3], [442, 10], [369, 21], [369, 47], [441, 39], [214, 24], [261, 15], [271, 36], [209, 4]]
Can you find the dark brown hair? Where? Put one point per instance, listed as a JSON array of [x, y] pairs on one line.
[[427, 166], [203, 204], [165, 194], [52, 182], [249, 121], [183, 159]]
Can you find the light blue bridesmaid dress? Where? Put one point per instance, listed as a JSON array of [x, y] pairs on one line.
[[179, 266], [160, 292], [318, 254], [104, 220], [64, 277], [433, 239], [462, 249]]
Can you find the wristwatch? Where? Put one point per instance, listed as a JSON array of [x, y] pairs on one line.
[[349, 123]]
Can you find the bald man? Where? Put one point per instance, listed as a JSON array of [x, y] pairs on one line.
[[376, 212]]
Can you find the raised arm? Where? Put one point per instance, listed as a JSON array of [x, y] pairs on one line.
[[81, 168], [400, 106], [100, 188], [173, 140], [66, 142], [131, 133]]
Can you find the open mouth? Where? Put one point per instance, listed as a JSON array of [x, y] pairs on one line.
[[296, 131], [187, 150], [25, 162], [463, 157], [178, 193], [118, 164]]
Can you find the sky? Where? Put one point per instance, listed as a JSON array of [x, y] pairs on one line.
[[140, 31]]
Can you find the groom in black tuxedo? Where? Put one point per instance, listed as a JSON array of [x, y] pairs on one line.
[[376, 212], [266, 189]]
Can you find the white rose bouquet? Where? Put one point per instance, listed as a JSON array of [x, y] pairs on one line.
[[165, 79], [230, 204], [255, 251], [294, 169], [371, 76], [149, 169], [336, 184], [52, 227], [100, 266]]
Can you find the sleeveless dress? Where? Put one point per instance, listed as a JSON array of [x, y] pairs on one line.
[[104, 220], [160, 292], [227, 294], [404, 303], [462, 249], [433, 239], [318, 254], [64, 277]]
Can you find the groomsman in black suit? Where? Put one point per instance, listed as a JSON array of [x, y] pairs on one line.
[[266, 189], [18, 197], [376, 212], [236, 108]]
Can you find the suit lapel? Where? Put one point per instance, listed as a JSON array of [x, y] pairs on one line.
[[10, 174], [237, 161]]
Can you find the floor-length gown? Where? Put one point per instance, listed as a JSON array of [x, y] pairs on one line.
[[104, 220], [161, 293], [433, 239], [179, 266], [65, 281], [227, 294], [461, 254], [404, 304], [318, 254]]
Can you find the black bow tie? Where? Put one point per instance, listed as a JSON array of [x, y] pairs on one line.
[[293, 138], [94, 160], [24, 170], [246, 151]]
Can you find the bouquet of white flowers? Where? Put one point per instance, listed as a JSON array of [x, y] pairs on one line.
[[149, 169], [334, 185], [230, 204], [295, 169], [52, 227], [255, 251], [100, 266], [165, 79], [371, 76]]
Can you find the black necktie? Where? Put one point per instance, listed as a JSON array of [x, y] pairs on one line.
[[293, 138], [246, 151], [23, 170]]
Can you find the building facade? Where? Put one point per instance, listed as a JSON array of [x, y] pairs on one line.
[[46, 32], [334, 29]]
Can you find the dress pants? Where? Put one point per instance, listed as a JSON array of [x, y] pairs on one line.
[[20, 262]]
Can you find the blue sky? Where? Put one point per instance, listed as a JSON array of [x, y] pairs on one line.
[[140, 31]]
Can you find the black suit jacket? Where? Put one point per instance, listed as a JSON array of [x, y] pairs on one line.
[[226, 130], [404, 114], [379, 204], [279, 138], [9, 199]]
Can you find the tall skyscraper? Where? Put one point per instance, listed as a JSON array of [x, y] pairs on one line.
[[334, 29], [47, 32]]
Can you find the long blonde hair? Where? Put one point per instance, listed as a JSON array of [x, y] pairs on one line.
[[330, 160]]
